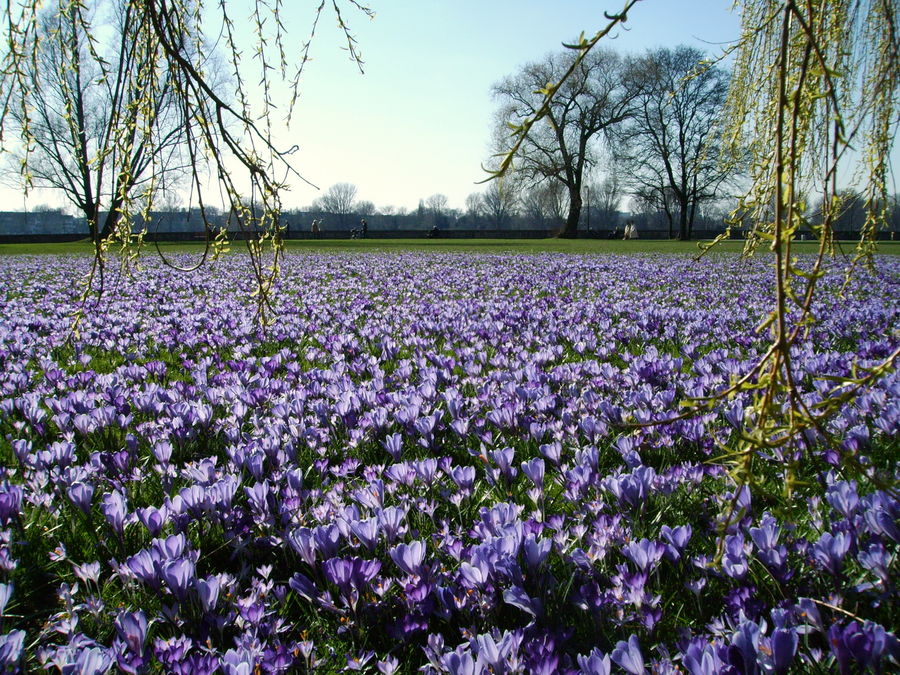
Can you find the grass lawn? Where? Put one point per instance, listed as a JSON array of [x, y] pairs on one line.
[[452, 245]]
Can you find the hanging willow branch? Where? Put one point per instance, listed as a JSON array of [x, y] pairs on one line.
[[151, 110], [815, 95]]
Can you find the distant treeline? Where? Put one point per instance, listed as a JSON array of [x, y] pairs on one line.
[[46, 224]]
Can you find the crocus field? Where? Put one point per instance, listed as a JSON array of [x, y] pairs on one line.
[[438, 463]]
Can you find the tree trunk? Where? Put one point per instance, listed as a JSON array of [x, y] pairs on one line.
[[92, 218], [570, 229], [683, 233]]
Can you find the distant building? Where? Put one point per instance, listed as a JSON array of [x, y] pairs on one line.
[[40, 223]]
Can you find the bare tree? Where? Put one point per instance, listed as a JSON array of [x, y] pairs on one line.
[[670, 148], [339, 200], [437, 204], [609, 196], [475, 206], [103, 126], [598, 95], [166, 51], [364, 208], [601, 201], [499, 202], [544, 205]]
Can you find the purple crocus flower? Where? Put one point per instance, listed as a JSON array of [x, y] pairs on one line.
[[782, 646], [347, 573], [632, 489], [388, 665], [391, 522], [304, 586], [552, 452], [144, 568], [534, 471], [82, 495], [475, 575], [393, 445], [132, 630], [770, 552], [734, 562], [734, 415], [628, 656], [152, 518], [11, 646], [766, 535], [238, 662], [327, 539], [830, 551], [745, 648], [258, 497], [881, 515], [595, 663], [490, 653], [536, 551], [90, 661], [10, 502], [366, 531], [178, 575], [409, 557], [503, 459], [460, 662], [359, 661], [340, 572], [645, 554], [5, 594], [114, 510], [426, 470], [702, 658], [677, 538], [208, 591], [303, 542], [843, 498], [170, 547], [162, 451], [517, 597], [862, 643], [464, 477]]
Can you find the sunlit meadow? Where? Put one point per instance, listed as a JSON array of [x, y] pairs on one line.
[[437, 463]]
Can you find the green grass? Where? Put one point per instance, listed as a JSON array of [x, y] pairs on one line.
[[451, 245]]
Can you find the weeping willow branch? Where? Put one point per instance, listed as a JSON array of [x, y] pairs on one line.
[[815, 95], [151, 104]]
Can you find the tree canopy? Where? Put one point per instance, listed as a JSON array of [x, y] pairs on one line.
[[599, 94], [670, 148]]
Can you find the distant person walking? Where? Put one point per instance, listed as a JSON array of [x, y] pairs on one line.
[[364, 227], [315, 229]]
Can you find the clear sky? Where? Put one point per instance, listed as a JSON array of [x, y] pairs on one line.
[[418, 122]]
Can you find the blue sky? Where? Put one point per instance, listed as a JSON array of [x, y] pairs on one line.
[[418, 122]]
